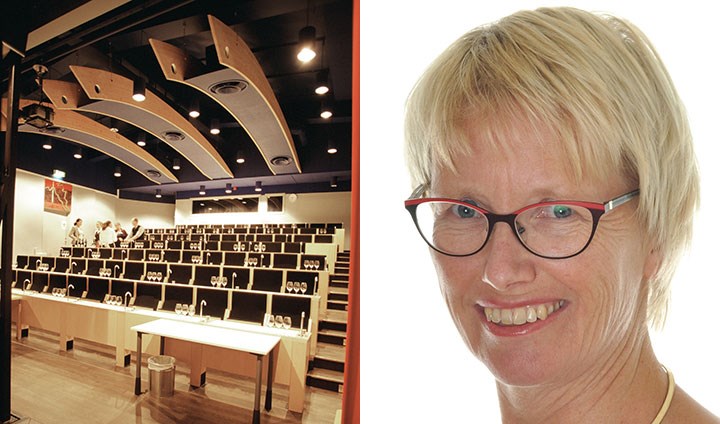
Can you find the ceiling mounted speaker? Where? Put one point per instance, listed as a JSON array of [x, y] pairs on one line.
[[228, 87], [173, 136], [281, 161], [153, 115], [256, 110], [80, 129]]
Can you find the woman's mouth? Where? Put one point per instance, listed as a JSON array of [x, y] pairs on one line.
[[522, 315]]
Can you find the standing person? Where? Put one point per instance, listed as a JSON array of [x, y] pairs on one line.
[[555, 183], [120, 233], [107, 234], [136, 232], [98, 230], [76, 234]]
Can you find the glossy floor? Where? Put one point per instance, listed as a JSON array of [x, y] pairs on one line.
[[84, 386]]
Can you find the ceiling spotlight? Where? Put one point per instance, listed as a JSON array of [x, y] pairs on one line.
[[138, 90], [334, 182], [322, 83], [78, 153], [307, 44], [48, 144], [325, 110], [240, 158], [113, 125], [157, 193], [258, 186], [141, 139], [228, 188], [332, 149], [118, 172], [214, 127], [176, 164], [202, 190], [194, 111]]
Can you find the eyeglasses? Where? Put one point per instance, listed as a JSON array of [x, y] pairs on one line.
[[551, 230]]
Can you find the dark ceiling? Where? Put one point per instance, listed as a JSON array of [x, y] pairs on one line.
[[118, 41]]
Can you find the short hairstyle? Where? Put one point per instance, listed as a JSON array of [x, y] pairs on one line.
[[596, 82]]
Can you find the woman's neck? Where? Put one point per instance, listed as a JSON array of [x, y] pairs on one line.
[[629, 386]]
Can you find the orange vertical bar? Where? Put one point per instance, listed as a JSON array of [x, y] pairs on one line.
[[351, 393]]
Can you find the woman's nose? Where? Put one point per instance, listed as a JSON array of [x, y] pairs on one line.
[[506, 261]]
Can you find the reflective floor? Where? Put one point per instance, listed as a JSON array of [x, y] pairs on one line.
[[84, 386]]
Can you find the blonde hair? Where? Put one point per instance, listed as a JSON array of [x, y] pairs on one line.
[[597, 83]]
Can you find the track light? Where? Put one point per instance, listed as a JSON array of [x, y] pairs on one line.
[[78, 153], [307, 44], [138, 90], [228, 188], [47, 144], [202, 190], [214, 126], [240, 158], [194, 111], [334, 182], [117, 172], [332, 149], [141, 139], [258, 186], [113, 125], [322, 83], [157, 194], [176, 164]]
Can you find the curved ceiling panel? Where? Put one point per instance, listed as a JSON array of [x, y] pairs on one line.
[[110, 94], [241, 88], [80, 129]]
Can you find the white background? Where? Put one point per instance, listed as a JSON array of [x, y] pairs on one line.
[[414, 366]]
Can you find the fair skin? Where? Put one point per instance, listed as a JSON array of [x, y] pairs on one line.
[[589, 361]]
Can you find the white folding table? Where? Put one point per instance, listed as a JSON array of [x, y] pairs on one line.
[[260, 345]]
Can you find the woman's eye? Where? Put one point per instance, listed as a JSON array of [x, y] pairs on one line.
[[561, 211], [464, 211]]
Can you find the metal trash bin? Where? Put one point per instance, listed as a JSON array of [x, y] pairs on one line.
[[162, 375]]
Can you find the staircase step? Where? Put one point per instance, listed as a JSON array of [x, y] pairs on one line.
[[326, 379], [332, 337], [339, 277], [327, 364], [334, 326], [338, 296], [339, 305], [334, 316], [330, 352]]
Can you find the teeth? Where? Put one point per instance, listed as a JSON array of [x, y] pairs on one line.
[[523, 315]]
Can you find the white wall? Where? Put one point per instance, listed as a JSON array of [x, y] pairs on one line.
[[308, 207], [429, 363], [40, 231]]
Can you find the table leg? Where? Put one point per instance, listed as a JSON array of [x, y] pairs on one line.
[[268, 390], [138, 367], [258, 384]]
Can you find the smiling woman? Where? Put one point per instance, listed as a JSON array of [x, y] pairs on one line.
[[556, 185]]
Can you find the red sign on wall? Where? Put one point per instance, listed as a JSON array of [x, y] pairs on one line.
[[58, 197]]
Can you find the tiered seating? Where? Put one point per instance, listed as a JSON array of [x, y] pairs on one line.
[[160, 285]]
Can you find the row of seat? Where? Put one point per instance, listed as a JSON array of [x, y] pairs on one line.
[[255, 278], [231, 237], [255, 259], [251, 228], [225, 246], [238, 304]]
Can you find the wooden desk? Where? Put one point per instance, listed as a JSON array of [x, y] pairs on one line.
[[260, 345]]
